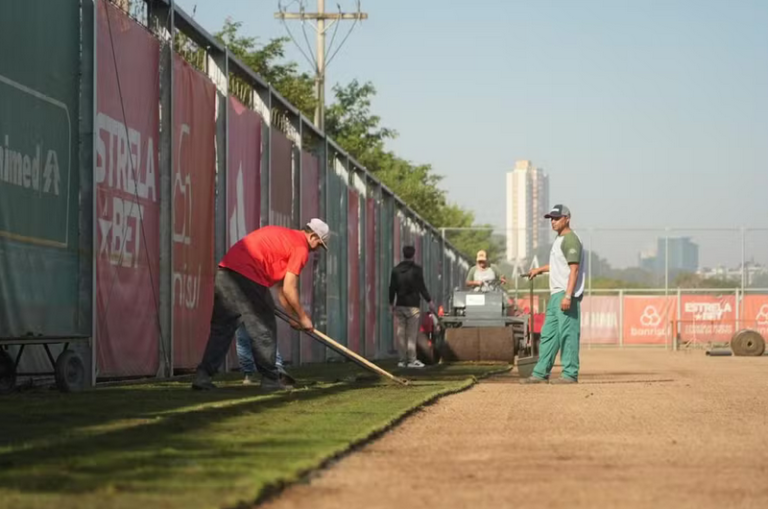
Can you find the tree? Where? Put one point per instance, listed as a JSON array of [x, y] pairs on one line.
[[267, 60], [358, 131], [689, 280]]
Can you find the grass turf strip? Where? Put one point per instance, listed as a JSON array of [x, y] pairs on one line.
[[163, 445]]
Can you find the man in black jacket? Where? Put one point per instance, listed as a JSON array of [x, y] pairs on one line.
[[407, 285]]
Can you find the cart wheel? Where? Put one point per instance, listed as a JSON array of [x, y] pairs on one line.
[[748, 343], [70, 372], [7, 373]]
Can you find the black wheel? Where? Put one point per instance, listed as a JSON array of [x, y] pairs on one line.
[[748, 343], [70, 372], [7, 373]]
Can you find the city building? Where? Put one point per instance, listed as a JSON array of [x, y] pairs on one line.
[[683, 256], [528, 233]]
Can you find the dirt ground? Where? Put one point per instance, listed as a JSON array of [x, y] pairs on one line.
[[643, 429]]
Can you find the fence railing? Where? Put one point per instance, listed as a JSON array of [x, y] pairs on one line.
[[661, 318]]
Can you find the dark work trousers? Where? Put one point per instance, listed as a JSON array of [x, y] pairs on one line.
[[238, 300]]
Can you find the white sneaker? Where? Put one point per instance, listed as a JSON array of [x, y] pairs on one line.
[[401, 364], [416, 364]]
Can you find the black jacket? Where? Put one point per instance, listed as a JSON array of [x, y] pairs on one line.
[[407, 282]]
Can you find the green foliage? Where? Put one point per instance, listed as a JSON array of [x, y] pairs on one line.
[[267, 60], [688, 280], [352, 124], [358, 131]]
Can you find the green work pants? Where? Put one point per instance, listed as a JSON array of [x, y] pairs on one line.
[[561, 332]]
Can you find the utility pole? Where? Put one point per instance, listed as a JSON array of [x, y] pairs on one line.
[[320, 61]]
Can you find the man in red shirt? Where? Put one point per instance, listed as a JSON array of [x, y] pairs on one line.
[[265, 257]]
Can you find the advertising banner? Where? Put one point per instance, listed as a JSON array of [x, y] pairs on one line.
[[243, 171], [194, 170], [754, 313], [600, 319], [371, 278], [310, 207], [281, 212], [39, 174], [648, 319], [127, 182], [707, 318], [353, 255]]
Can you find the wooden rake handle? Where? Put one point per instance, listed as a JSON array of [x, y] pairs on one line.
[[343, 350]]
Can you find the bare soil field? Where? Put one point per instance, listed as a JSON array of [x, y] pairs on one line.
[[642, 429]]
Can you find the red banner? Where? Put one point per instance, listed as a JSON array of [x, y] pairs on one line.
[[243, 177], [648, 320], [281, 212], [310, 207], [281, 181], [243, 171], [754, 313], [600, 319], [371, 281], [128, 196], [353, 254], [194, 162], [707, 318]]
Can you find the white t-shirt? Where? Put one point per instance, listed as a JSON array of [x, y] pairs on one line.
[[566, 249]]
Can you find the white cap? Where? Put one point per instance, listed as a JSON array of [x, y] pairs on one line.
[[319, 227]]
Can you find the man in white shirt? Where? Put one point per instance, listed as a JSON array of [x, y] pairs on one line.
[[561, 329]]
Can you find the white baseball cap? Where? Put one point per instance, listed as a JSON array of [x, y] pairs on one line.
[[319, 227]]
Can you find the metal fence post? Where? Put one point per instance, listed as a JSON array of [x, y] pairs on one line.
[[163, 27], [621, 318], [89, 72], [666, 261], [743, 258], [218, 72], [676, 329], [589, 263]]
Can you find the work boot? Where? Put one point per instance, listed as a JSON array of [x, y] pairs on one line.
[[564, 381], [202, 381], [533, 380], [270, 385], [250, 379]]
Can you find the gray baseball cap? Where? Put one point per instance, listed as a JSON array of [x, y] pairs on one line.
[[558, 211], [321, 229]]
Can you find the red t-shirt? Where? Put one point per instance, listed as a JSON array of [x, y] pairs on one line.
[[266, 254]]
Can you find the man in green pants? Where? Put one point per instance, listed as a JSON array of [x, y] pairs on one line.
[[566, 285]]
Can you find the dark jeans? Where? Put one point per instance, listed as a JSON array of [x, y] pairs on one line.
[[238, 300]]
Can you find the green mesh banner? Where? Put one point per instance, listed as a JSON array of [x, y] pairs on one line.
[[39, 182]]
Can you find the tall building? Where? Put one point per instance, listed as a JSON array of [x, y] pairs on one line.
[[683, 256], [527, 202]]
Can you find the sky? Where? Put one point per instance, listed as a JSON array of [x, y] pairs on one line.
[[644, 113]]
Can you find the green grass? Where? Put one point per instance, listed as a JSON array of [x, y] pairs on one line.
[[164, 445]]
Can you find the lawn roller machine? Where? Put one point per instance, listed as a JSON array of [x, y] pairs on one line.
[[480, 326]]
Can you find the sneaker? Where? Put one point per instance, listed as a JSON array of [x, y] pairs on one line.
[[250, 379], [401, 364], [416, 364], [533, 380], [269, 385], [202, 381], [564, 381]]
